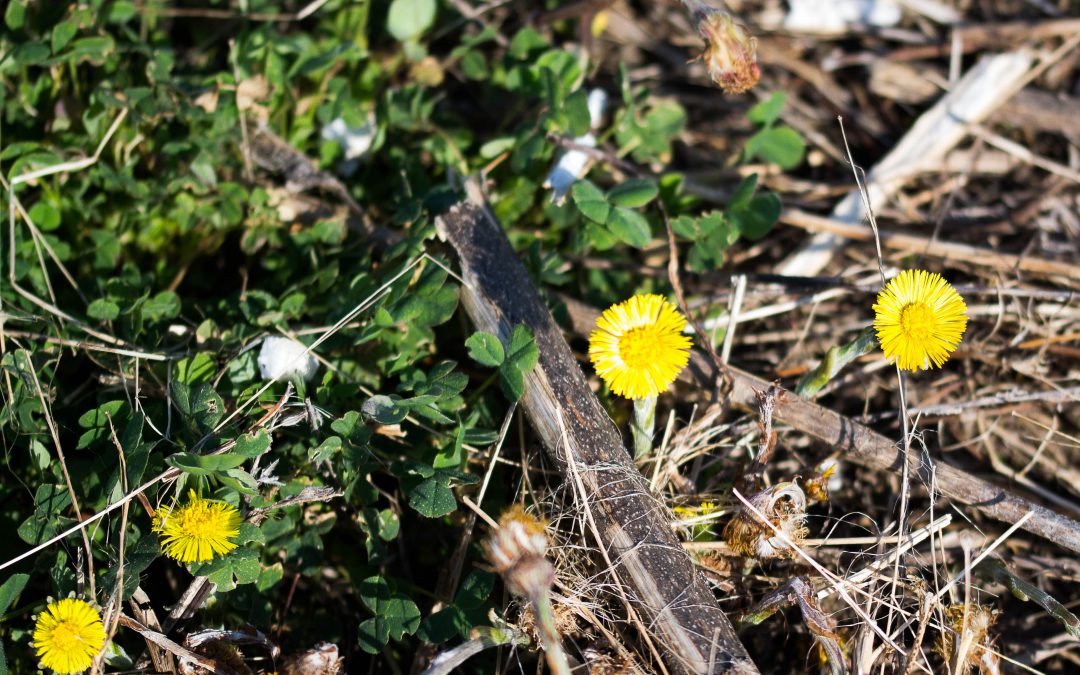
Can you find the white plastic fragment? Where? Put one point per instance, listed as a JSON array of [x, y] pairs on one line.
[[574, 164], [355, 142], [283, 359], [839, 16]]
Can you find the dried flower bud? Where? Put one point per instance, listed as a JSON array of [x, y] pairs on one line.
[[730, 53], [324, 659], [826, 477], [784, 504], [516, 551], [969, 643]]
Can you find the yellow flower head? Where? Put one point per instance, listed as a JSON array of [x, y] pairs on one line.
[[638, 347], [68, 635], [198, 530], [919, 319]]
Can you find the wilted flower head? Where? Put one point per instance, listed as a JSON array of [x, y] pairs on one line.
[[784, 504], [968, 643], [517, 549], [730, 53], [68, 635]]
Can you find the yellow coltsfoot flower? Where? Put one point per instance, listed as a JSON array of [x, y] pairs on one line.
[[638, 346], [198, 530], [920, 319], [68, 635]]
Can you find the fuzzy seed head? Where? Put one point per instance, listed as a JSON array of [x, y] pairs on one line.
[[730, 53]]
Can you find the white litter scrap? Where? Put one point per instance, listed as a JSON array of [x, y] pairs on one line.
[[282, 358], [355, 142], [832, 17], [574, 164]]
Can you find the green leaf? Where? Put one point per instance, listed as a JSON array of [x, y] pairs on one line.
[[523, 352], [408, 19], [198, 369], [15, 15], [433, 497], [165, 305], [11, 589], [136, 559], [475, 589], [49, 502], [577, 110], [395, 615], [633, 193], [512, 381], [448, 622], [62, 34], [200, 407], [485, 349], [757, 219], [252, 444], [743, 193], [782, 146], [239, 566], [629, 226], [45, 217], [373, 635], [590, 201], [496, 147], [31, 53], [383, 409], [96, 422], [102, 310], [835, 359], [204, 465], [768, 111]]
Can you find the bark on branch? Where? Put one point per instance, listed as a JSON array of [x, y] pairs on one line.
[[677, 606]]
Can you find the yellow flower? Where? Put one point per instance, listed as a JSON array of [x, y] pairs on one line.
[[198, 530], [638, 347], [919, 319], [68, 635]]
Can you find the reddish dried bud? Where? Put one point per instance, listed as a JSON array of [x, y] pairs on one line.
[[730, 54]]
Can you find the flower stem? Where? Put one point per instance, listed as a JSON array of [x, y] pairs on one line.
[[549, 635], [643, 425]]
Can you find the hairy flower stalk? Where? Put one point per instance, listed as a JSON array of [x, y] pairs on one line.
[[730, 53], [643, 426], [517, 551]]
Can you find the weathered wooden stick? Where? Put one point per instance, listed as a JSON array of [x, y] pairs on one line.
[[679, 610]]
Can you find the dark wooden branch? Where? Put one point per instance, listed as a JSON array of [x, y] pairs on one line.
[[860, 445], [868, 448], [678, 608]]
